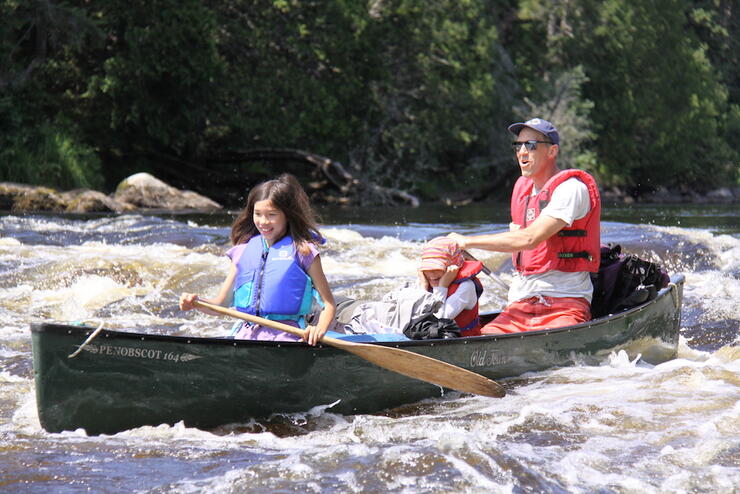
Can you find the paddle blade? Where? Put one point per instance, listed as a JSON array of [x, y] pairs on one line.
[[424, 368]]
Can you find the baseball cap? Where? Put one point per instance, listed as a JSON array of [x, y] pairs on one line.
[[539, 125]]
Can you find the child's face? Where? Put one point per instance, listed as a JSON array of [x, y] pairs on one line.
[[270, 221], [433, 276]]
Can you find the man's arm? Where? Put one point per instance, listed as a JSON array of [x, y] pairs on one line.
[[527, 238]]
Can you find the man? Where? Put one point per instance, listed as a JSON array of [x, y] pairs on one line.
[[554, 237]]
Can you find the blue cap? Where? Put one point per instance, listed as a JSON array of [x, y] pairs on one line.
[[539, 125]]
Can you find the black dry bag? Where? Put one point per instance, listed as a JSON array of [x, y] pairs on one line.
[[429, 326], [624, 281]]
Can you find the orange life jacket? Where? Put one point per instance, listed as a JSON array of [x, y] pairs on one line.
[[574, 248], [467, 320]]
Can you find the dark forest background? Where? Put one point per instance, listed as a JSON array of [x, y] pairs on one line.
[[410, 94]]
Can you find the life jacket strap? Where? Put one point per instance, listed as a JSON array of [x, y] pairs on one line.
[[572, 233], [475, 322], [575, 255]]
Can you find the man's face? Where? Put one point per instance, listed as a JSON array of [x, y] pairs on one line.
[[533, 162]]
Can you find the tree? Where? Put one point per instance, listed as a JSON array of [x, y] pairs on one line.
[[412, 94], [442, 99], [658, 101], [148, 94], [562, 102], [39, 143]]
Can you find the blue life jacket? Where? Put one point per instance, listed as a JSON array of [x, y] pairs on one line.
[[270, 282]]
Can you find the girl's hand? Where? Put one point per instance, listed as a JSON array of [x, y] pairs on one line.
[[423, 281], [187, 301], [449, 276], [313, 335]]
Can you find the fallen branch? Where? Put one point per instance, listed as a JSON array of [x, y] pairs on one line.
[[337, 179]]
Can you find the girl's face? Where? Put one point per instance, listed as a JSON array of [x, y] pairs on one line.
[[270, 221], [433, 276]]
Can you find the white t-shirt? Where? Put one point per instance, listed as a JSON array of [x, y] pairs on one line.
[[465, 297], [569, 202]]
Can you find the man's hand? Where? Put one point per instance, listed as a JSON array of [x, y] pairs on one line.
[[460, 239]]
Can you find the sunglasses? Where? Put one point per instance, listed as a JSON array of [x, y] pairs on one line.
[[530, 145]]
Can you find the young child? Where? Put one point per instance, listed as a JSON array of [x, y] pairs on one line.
[[447, 287], [275, 267]]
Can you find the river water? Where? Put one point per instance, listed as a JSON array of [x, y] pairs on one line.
[[619, 427]]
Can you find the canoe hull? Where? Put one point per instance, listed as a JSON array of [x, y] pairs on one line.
[[124, 380]]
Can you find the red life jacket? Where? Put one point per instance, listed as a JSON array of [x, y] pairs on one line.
[[574, 248], [467, 320]]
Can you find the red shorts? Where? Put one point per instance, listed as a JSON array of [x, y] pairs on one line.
[[539, 313]]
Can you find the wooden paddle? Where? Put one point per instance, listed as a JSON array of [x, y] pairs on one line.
[[404, 362]]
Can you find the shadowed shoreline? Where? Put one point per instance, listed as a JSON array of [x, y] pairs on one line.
[[143, 192]]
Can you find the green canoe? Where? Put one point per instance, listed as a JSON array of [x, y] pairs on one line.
[[121, 380]]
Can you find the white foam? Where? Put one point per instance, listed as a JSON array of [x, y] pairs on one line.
[[619, 426], [9, 242], [25, 417]]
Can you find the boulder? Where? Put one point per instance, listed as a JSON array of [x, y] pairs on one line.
[[20, 197], [139, 191], [143, 190], [92, 201], [723, 194]]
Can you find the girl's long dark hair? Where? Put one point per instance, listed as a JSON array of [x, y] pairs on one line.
[[288, 196]]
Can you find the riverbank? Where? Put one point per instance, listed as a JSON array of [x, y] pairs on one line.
[[145, 192]]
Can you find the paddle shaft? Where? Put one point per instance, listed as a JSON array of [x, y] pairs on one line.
[[409, 364], [88, 340], [468, 256]]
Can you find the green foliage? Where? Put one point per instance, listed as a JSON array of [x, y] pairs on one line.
[[51, 154], [443, 85], [295, 76], [39, 145], [152, 93], [717, 25], [563, 103], [411, 93], [657, 99]]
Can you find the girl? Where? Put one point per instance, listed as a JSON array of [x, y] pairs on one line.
[[275, 267], [447, 287]]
